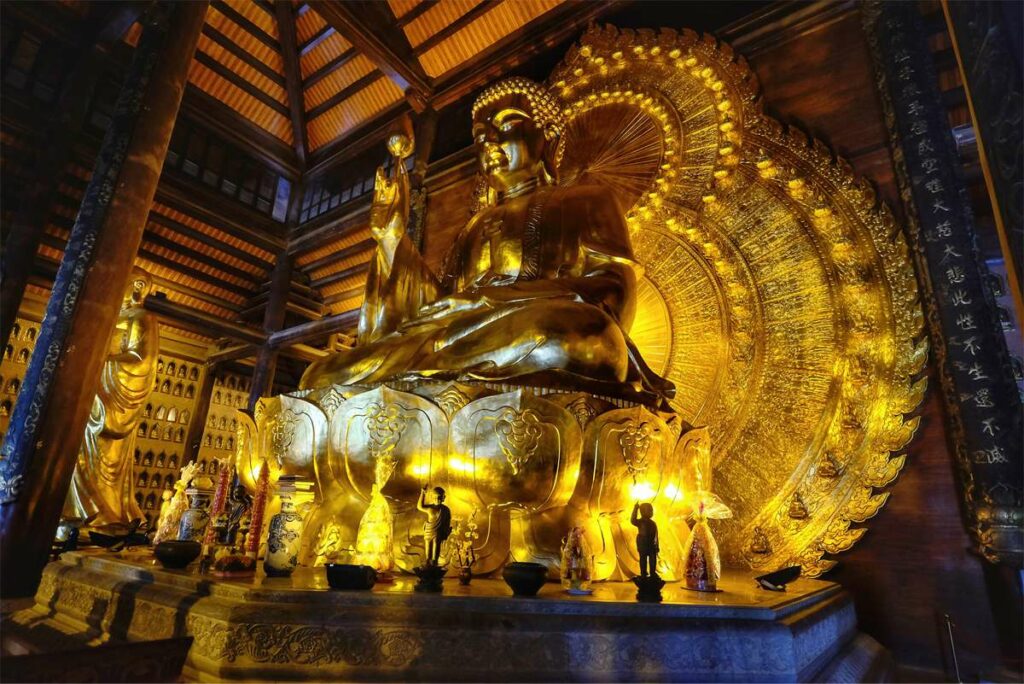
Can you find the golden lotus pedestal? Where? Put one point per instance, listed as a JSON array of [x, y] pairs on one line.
[[299, 629]]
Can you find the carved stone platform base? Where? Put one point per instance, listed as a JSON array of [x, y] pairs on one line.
[[298, 629]]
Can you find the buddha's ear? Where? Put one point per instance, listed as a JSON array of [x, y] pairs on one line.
[[549, 158]]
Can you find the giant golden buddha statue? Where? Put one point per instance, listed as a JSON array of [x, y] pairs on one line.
[[651, 253], [539, 288], [101, 488]]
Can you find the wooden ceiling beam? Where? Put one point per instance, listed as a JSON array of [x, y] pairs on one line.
[[247, 57], [209, 240], [342, 149], [344, 94], [239, 82], [342, 296], [285, 12], [341, 275], [415, 12], [329, 68], [199, 203], [539, 35], [371, 27], [361, 246], [232, 127], [462, 22], [209, 324], [324, 234], [257, 33], [209, 260], [320, 36], [314, 330]]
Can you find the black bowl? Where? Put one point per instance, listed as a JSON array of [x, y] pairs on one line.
[[526, 579], [345, 576], [177, 554]]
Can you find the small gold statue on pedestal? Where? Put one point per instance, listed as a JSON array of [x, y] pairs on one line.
[[436, 529], [648, 583]]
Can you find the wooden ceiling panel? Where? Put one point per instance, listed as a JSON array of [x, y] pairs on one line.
[[343, 242], [437, 18], [344, 305], [329, 48], [245, 40], [233, 63], [170, 234], [360, 258], [356, 281], [216, 233], [353, 111], [339, 79], [268, 119], [401, 7], [480, 34], [252, 11], [307, 25]]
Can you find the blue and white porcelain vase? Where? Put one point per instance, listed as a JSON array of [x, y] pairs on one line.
[[285, 533], [194, 520]]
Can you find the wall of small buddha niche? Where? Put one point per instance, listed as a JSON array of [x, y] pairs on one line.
[[160, 437], [159, 452], [913, 566]]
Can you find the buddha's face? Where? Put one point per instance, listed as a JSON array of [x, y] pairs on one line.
[[509, 143], [137, 289]]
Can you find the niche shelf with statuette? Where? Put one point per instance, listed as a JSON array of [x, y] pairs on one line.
[[13, 365], [230, 393]]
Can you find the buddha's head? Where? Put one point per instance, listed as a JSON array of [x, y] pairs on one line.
[[138, 287], [516, 125]]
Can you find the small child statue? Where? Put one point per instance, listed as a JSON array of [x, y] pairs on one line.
[[436, 529], [648, 584], [646, 538]]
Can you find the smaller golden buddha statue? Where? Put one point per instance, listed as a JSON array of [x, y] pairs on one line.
[[101, 488]]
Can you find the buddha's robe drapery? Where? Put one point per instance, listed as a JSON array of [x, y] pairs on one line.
[[539, 289], [101, 487]]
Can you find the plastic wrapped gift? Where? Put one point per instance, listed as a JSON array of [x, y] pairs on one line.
[[702, 564], [577, 563]]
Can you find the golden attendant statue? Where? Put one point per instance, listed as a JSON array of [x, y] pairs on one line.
[[101, 489], [538, 288]]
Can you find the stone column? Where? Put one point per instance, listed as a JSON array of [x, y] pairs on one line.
[[39, 451], [273, 319]]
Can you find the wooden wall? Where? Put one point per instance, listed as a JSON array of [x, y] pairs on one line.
[[913, 567]]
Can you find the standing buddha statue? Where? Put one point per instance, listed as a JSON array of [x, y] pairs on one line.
[[538, 288], [101, 488]]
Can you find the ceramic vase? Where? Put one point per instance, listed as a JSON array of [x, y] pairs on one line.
[[195, 520], [577, 563], [284, 534]]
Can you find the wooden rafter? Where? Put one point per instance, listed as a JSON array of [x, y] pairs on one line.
[[341, 275], [345, 253], [285, 12], [329, 68], [371, 27], [244, 55], [462, 22], [239, 82], [325, 32], [344, 93], [209, 241], [257, 33], [415, 12]]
